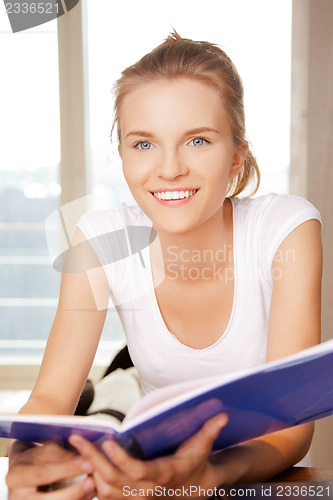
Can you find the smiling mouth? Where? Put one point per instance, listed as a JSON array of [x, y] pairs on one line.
[[174, 195]]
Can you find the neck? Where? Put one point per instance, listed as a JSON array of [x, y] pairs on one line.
[[206, 246]]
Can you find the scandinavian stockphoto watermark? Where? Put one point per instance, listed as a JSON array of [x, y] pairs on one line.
[[24, 15], [199, 264], [207, 264], [114, 245], [121, 246]]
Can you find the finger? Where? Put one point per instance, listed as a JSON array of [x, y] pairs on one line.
[[109, 479], [22, 494], [109, 489], [98, 461], [51, 451], [20, 446], [201, 443], [146, 473], [193, 453], [132, 467], [82, 490], [25, 475], [56, 451]]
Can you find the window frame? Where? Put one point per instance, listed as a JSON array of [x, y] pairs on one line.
[[20, 373]]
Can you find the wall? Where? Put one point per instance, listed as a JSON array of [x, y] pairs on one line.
[[311, 169]]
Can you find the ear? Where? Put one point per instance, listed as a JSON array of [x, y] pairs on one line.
[[238, 159], [119, 149]]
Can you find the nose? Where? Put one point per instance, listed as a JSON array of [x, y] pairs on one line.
[[171, 165]]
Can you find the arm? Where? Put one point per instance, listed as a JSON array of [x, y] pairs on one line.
[[72, 342], [294, 324], [69, 353]]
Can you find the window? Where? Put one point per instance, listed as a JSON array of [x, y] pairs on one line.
[[29, 187], [257, 36], [33, 181]]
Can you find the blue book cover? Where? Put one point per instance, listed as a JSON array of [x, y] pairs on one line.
[[258, 401]]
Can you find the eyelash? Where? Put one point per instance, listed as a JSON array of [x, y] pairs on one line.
[[136, 145], [206, 141]]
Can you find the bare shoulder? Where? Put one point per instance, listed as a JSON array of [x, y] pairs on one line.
[[306, 236]]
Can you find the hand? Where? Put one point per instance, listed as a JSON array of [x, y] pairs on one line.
[[188, 467], [32, 467]]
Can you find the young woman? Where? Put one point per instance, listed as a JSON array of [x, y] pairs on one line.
[[228, 282]]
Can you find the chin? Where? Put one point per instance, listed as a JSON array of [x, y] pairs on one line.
[[176, 227]]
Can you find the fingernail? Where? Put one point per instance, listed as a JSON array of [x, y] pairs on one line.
[[88, 486], [87, 467], [109, 448], [76, 441], [222, 420], [90, 496]]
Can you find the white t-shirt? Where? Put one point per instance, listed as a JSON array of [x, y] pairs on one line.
[[120, 239]]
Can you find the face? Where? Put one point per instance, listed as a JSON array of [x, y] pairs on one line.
[[178, 152]]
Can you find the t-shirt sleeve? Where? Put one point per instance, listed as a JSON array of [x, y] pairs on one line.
[[104, 231], [282, 215], [120, 239]]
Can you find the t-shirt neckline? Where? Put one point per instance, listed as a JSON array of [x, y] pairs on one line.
[[169, 335]]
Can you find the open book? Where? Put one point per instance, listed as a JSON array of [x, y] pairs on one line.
[[260, 400]]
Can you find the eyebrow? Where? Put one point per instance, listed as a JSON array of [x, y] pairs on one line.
[[194, 131], [200, 130], [140, 133]]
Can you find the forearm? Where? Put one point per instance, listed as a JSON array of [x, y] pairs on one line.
[[41, 406], [46, 405], [262, 458]]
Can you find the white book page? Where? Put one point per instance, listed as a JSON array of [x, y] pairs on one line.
[[93, 423]]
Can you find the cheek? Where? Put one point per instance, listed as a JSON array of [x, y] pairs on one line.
[[138, 169], [216, 168], [217, 157], [132, 171], [137, 179]]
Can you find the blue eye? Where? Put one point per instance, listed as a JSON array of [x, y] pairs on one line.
[[143, 145], [198, 141]]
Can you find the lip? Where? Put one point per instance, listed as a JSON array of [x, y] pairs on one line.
[[174, 188], [175, 203]]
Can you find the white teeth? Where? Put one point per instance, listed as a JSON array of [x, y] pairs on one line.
[[174, 195]]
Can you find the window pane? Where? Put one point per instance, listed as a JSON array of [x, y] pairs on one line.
[[29, 187]]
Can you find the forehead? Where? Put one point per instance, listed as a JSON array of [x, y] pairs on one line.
[[171, 105]]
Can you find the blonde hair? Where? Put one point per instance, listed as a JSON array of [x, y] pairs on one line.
[[180, 57]]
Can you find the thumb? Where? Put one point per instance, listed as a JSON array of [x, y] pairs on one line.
[[201, 443]]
